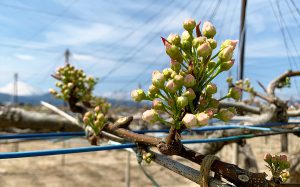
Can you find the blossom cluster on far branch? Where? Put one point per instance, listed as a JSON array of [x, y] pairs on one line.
[[278, 165], [185, 91]]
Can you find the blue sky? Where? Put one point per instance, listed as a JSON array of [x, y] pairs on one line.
[[119, 41]]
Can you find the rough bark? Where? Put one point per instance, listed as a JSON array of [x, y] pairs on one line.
[[11, 118]]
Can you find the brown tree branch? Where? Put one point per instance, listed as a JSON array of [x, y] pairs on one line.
[[37, 121], [293, 113], [240, 106], [273, 84]]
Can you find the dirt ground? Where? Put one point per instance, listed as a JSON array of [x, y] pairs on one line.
[[105, 168]]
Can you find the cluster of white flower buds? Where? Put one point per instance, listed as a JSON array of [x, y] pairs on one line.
[[185, 90], [74, 83], [278, 164], [95, 119]]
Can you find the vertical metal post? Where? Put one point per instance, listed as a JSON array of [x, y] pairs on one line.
[[67, 56], [242, 41], [15, 92], [127, 170]]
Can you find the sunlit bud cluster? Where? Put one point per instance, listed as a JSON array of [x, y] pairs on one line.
[[278, 165], [73, 83], [184, 91], [95, 119]]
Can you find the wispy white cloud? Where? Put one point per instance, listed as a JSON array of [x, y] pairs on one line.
[[24, 57], [83, 57]]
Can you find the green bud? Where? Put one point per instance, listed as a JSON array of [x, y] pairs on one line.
[[235, 93], [228, 43], [225, 66], [178, 79], [167, 72], [186, 40], [189, 24], [198, 41], [138, 95], [226, 114], [174, 39], [153, 89], [211, 89], [208, 30], [226, 54], [190, 94], [211, 65], [158, 79], [173, 51], [182, 101], [212, 43]]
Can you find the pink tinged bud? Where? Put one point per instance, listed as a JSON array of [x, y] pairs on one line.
[[228, 43], [175, 65], [189, 81], [153, 90], [158, 79], [235, 93], [150, 116], [182, 101], [100, 117], [198, 41], [204, 50], [208, 30], [226, 54], [212, 43], [267, 157], [138, 95], [190, 94], [225, 115], [225, 66], [189, 120], [85, 120], [202, 118], [211, 88], [174, 39], [210, 112], [171, 86], [283, 158], [97, 109], [189, 24], [178, 79], [157, 104]]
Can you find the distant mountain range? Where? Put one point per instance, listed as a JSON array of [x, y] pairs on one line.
[[47, 97]]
